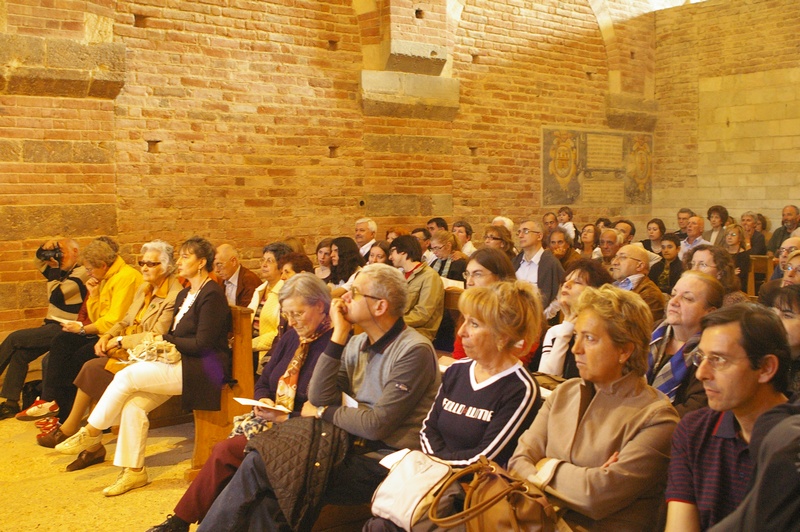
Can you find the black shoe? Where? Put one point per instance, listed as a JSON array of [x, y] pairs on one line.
[[8, 410], [172, 524]]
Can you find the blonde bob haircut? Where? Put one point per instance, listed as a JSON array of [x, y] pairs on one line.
[[512, 309], [627, 320]]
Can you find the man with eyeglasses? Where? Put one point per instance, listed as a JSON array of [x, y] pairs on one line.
[[239, 282], [535, 264], [425, 302], [392, 373], [743, 362], [629, 270], [768, 290]]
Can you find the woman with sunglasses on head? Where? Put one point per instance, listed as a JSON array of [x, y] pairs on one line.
[[151, 312], [305, 303], [199, 332]]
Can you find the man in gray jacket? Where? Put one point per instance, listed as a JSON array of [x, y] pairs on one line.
[[391, 372]]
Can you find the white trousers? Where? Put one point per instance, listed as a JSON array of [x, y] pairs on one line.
[[135, 391]]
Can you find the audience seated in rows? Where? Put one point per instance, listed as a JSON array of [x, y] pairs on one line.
[[305, 300], [390, 370], [111, 287], [200, 334], [150, 314], [491, 380]]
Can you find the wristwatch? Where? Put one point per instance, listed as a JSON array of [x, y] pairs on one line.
[[119, 342], [82, 332], [320, 411]]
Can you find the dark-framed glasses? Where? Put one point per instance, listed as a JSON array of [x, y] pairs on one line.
[[148, 263]]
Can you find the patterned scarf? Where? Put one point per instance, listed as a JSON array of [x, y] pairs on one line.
[[672, 374], [250, 424], [287, 384], [663, 278]]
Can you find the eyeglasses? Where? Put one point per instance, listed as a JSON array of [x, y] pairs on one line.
[[623, 257], [220, 264], [527, 231], [358, 293], [789, 268], [788, 250], [716, 362], [436, 248], [268, 261], [491, 237], [701, 265], [474, 275], [294, 315], [731, 234], [148, 263]]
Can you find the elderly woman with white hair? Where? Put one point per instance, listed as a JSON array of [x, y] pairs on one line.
[[199, 332], [305, 302], [151, 312], [600, 444]]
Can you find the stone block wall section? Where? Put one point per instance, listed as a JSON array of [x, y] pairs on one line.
[[727, 94]]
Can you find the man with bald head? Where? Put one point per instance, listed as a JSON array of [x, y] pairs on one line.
[[609, 243], [694, 235], [66, 290], [239, 282], [629, 270]]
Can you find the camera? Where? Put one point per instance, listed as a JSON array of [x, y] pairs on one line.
[[45, 255]]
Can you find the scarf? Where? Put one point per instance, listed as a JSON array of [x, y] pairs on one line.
[[671, 375]]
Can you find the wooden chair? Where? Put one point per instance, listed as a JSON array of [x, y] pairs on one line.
[[759, 264], [211, 427]]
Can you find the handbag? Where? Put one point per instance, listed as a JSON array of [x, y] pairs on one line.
[[408, 490], [495, 500], [155, 351]]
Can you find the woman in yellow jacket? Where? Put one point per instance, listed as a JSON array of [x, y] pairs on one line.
[[111, 286]]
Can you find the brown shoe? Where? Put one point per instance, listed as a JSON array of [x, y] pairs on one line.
[[87, 458], [52, 438]]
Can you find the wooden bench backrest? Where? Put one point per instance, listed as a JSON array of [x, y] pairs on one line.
[[211, 427], [758, 264]]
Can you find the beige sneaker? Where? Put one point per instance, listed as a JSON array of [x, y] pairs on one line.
[[80, 441], [126, 481]]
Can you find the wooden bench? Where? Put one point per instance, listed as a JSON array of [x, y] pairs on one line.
[[762, 264], [211, 427]]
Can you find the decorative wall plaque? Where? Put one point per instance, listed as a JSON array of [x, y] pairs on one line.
[[591, 167]]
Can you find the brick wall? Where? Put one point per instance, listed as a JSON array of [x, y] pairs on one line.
[[721, 69], [241, 120]]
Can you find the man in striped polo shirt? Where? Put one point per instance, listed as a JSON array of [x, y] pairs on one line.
[[743, 361]]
